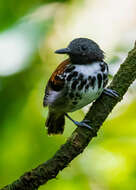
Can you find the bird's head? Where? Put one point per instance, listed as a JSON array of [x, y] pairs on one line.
[[83, 51]]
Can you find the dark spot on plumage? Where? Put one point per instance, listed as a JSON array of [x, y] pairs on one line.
[[80, 77], [92, 82], [71, 75], [74, 103], [83, 82], [87, 86], [89, 78], [107, 68], [74, 84], [104, 76], [57, 77], [56, 87], [64, 76], [75, 73], [70, 68], [80, 86], [102, 66], [99, 78], [71, 95], [105, 82]]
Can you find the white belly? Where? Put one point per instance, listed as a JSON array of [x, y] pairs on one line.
[[87, 98], [89, 94]]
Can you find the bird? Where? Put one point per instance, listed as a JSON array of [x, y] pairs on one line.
[[76, 82]]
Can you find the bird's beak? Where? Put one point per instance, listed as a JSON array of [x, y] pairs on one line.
[[63, 51]]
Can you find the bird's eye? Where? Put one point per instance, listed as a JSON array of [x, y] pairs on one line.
[[84, 47]]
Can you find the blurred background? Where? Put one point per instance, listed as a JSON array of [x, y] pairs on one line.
[[30, 32]]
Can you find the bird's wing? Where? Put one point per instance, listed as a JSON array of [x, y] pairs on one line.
[[55, 83]]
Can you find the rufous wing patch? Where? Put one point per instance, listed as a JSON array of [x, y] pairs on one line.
[[56, 81], [59, 70]]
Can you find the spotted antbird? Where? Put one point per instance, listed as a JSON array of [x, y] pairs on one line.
[[76, 82]]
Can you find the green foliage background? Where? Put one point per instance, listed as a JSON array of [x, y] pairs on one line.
[[108, 163]]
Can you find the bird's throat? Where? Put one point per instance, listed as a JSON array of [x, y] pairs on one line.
[[79, 59]]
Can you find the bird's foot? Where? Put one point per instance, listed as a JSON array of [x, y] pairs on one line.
[[111, 92], [84, 123]]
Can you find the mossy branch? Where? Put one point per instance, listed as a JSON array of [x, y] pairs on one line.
[[80, 138]]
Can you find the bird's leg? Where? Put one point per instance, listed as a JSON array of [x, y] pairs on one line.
[[82, 123], [110, 92]]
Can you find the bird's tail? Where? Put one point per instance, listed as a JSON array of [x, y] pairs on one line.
[[55, 123]]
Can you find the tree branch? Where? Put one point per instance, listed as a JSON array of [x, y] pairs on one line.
[[81, 136]]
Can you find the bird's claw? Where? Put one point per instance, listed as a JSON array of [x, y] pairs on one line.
[[82, 124], [111, 92]]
